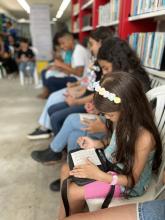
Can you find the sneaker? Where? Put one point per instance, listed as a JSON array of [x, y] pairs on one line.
[[55, 185], [46, 156], [39, 134]]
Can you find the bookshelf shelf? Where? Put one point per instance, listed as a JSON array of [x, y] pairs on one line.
[[87, 5], [87, 28], [126, 25], [152, 14], [154, 72], [111, 24]]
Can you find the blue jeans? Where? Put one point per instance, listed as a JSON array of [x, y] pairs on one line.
[[54, 83], [53, 99], [69, 133], [152, 210], [59, 112], [27, 67]]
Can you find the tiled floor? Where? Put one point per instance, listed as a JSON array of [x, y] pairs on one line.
[[24, 183]]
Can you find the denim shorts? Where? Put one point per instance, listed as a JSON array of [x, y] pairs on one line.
[[152, 210]]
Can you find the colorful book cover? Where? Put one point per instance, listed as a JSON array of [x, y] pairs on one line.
[[149, 38], [151, 49], [161, 52], [135, 7], [139, 7], [155, 50]]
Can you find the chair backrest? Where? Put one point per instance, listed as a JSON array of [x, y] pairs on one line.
[[156, 81], [158, 94]]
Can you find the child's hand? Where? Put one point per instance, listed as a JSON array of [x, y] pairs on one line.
[[24, 58], [71, 100], [87, 143], [88, 170], [70, 84], [58, 63], [94, 126]]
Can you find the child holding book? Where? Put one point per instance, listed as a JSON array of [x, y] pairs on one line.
[[134, 144]]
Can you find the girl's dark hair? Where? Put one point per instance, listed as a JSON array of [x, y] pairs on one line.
[[135, 113], [123, 58], [101, 34]]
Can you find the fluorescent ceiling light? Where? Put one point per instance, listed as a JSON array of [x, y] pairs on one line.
[[22, 20], [24, 5], [62, 8]]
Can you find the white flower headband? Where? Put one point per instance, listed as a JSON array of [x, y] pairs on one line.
[[106, 94]]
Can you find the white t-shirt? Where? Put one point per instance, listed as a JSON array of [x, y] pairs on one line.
[[80, 57]]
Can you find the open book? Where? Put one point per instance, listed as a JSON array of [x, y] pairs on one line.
[[80, 157], [87, 117]]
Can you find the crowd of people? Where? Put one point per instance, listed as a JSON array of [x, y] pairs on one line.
[[96, 98], [15, 52]]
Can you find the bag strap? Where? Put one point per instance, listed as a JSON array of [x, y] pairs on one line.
[[64, 195], [108, 198]]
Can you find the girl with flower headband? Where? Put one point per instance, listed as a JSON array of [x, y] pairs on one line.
[[133, 145]]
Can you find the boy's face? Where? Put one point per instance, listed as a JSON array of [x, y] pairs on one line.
[[65, 43], [24, 45]]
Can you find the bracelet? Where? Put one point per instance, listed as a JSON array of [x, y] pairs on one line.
[[114, 179]]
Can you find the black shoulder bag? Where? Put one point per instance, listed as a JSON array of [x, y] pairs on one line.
[[105, 166]]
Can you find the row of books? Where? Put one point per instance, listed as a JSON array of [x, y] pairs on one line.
[[109, 12], [87, 20], [145, 6], [76, 8], [150, 48]]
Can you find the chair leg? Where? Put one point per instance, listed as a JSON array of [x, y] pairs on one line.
[[36, 79], [21, 77], [1, 72], [4, 72]]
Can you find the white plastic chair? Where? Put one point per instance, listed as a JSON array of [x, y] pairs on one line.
[[2, 71], [35, 74], [155, 187]]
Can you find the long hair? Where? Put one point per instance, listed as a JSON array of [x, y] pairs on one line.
[[101, 34], [123, 58], [135, 113]]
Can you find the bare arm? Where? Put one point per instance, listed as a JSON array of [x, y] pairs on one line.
[[144, 145], [78, 71], [2, 50], [84, 100]]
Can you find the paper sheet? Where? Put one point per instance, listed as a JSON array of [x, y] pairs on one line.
[[81, 156]]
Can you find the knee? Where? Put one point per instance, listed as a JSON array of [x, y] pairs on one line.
[[64, 170], [72, 118], [75, 192], [51, 110]]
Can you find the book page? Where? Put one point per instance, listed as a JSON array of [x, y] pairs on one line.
[[87, 117], [80, 157]]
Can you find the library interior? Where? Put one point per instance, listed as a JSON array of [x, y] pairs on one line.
[[82, 109]]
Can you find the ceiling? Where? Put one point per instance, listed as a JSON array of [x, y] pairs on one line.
[[13, 7]]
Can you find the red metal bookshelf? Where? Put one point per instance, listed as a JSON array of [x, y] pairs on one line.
[[125, 27]]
